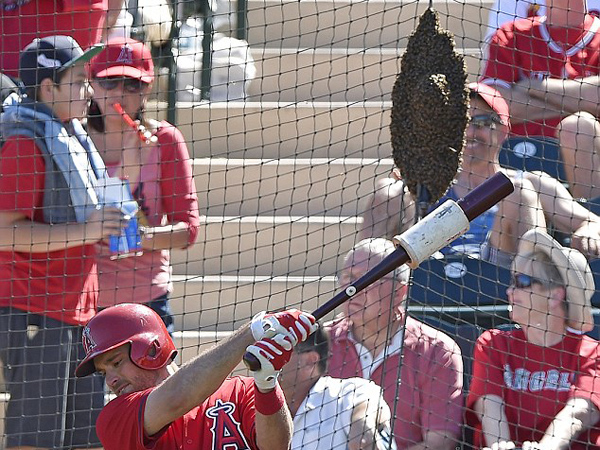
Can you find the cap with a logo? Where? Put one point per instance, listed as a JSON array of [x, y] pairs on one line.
[[494, 100], [124, 57], [48, 56]]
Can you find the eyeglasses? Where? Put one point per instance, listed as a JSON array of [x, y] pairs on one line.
[[485, 121], [131, 85], [522, 281]]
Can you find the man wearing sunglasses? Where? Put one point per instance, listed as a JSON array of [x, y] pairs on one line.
[[536, 385], [538, 198]]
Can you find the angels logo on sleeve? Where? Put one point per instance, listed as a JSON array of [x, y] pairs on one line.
[[226, 431]]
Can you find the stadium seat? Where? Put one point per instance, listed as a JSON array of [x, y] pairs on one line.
[[459, 280], [533, 153], [595, 266]]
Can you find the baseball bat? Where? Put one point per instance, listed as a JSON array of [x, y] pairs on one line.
[[411, 242]]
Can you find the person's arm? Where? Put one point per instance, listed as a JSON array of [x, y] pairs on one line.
[[441, 393], [387, 212], [178, 196], [490, 411], [274, 431], [369, 417], [200, 377], [195, 381], [566, 214], [568, 96], [19, 233], [22, 184], [578, 415]]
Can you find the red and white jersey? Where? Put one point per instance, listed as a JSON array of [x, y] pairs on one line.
[[534, 382], [528, 48], [225, 421], [505, 11], [23, 20]]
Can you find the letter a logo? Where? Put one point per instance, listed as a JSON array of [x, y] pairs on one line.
[[226, 431], [126, 55]]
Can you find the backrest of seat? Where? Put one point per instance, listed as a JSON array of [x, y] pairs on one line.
[[459, 280], [533, 153]]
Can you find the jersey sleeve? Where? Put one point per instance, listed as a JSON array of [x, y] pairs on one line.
[[120, 424], [179, 198], [22, 176], [441, 388]]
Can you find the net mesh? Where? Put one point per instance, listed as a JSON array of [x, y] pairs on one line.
[[286, 143]]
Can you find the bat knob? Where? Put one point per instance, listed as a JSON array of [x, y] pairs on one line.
[[251, 362]]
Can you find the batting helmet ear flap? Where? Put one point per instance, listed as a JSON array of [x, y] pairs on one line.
[[151, 355]]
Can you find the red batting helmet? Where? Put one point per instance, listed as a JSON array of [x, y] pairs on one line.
[[151, 346]]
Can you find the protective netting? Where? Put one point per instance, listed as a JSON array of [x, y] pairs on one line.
[[268, 159]]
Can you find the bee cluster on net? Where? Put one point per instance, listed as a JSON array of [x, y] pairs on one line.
[[430, 103]]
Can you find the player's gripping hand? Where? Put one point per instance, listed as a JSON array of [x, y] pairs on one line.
[[273, 353], [295, 324]]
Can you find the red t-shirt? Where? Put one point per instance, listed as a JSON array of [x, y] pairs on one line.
[[62, 284], [23, 20], [224, 421], [535, 382], [527, 48], [430, 395]]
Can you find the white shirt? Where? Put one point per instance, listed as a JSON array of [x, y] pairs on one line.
[[323, 420]]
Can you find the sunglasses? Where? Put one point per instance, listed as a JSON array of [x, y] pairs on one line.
[[131, 85], [484, 121], [522, 281]]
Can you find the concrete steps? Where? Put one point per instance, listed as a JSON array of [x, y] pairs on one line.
[[226, 302], [272, 130], [358, 23], [268, 245], [332, 74], [286, 187]]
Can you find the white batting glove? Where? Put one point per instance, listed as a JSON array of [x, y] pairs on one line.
[[295, 324], [273, 353]]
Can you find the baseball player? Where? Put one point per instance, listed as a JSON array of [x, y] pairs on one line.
[[161, 406]]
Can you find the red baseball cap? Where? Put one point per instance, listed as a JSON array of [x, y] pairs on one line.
[[494, 100], [124, 57]]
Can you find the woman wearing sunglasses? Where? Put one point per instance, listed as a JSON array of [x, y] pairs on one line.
[[159, 171], [538, 384]]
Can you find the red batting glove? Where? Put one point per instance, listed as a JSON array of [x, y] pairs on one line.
[[272, 353], [295, 324]]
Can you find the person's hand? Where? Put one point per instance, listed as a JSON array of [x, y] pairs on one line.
[[586, 239], [273, 353], [530, 445], [104, 222], [295, 324], [502, 445]]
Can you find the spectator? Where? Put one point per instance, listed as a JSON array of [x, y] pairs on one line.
[[547, 69], [505, 11], [331, 413], [158, 404], [23, 20], [50, 223], [159, 173], [494, 234], [536, 386], [419, 368]]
